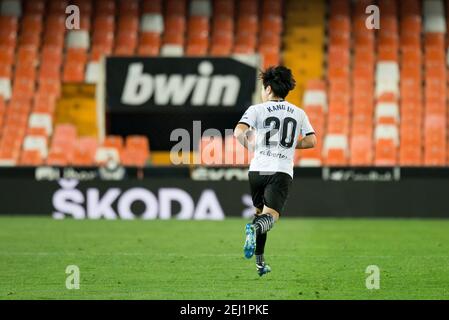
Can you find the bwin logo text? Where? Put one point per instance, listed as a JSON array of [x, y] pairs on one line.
[[204, 89]]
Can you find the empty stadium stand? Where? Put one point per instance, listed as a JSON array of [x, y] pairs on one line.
[[375, 96]]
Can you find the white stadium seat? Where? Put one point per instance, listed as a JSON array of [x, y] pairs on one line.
[[387, 71], [7, 162], [387, 110], [5, 88], [432, 7], [315, 98], [152, 22], [309, 162], [434, 17], [41, 120], [170, 50], [38, 143], [387, 132], [105, 154], [435, 24], [92, 72], [335, 141], [78, 39], [387, 86], [11, 8], [200, 8]]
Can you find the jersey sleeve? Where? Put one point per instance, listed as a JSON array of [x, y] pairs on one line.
[[249, 117], [306, 127]]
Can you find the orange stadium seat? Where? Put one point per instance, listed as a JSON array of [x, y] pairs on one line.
[[5, 70], [30, 158], [27, 55], [270, 39], [84, 152], [361, 150], [73, 72], [9, 23], [174, 23], [223, 8], [57, 157], [152, 6], [133, 158], [85, 6], [248, 24], [105, 7], [245, 43], [272, 7], [198, 27], [32, 23], [57, 7], [31, 39], [175, 7], [8, 38], [128, 7], [223, 23], [248, 7], [114, 142], [385, 153], [104, 22], [6, 55], [211, 150], [136, 151]]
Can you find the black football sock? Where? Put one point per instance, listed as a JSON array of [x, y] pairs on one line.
[[260, 248], [263, 223]]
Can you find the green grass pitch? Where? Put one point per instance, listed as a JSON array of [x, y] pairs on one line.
[[310, 259]]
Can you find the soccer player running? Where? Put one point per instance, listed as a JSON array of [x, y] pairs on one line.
[[277, 125]]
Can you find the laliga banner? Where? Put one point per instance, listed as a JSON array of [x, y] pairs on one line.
[[155, 84]]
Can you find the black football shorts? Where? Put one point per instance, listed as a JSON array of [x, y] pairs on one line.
[[269, 189]]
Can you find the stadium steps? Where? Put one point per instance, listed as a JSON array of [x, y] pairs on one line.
[[303, 41]]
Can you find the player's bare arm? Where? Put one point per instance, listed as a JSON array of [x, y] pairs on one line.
[[241, 133], [308, 142]]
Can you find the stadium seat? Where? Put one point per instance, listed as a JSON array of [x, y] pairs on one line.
[[200, 8], [211, 150], [386, 145], [105, 154], [223, 8], [84, 152], [57, 157], [114, 142], [136, 151], [387, 113], [31, 158], [361, 150], [107, 7], [37, 143], [152, 22], [11, 8], [335, 150], [128, 7], [41, 120]]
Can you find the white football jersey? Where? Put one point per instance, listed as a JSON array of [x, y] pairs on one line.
[[277, 126]]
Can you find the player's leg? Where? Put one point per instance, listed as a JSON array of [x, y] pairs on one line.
[[256, 182], [275, 196], [262, 224]]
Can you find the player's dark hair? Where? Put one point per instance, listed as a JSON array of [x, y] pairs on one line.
[[280, 79]]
